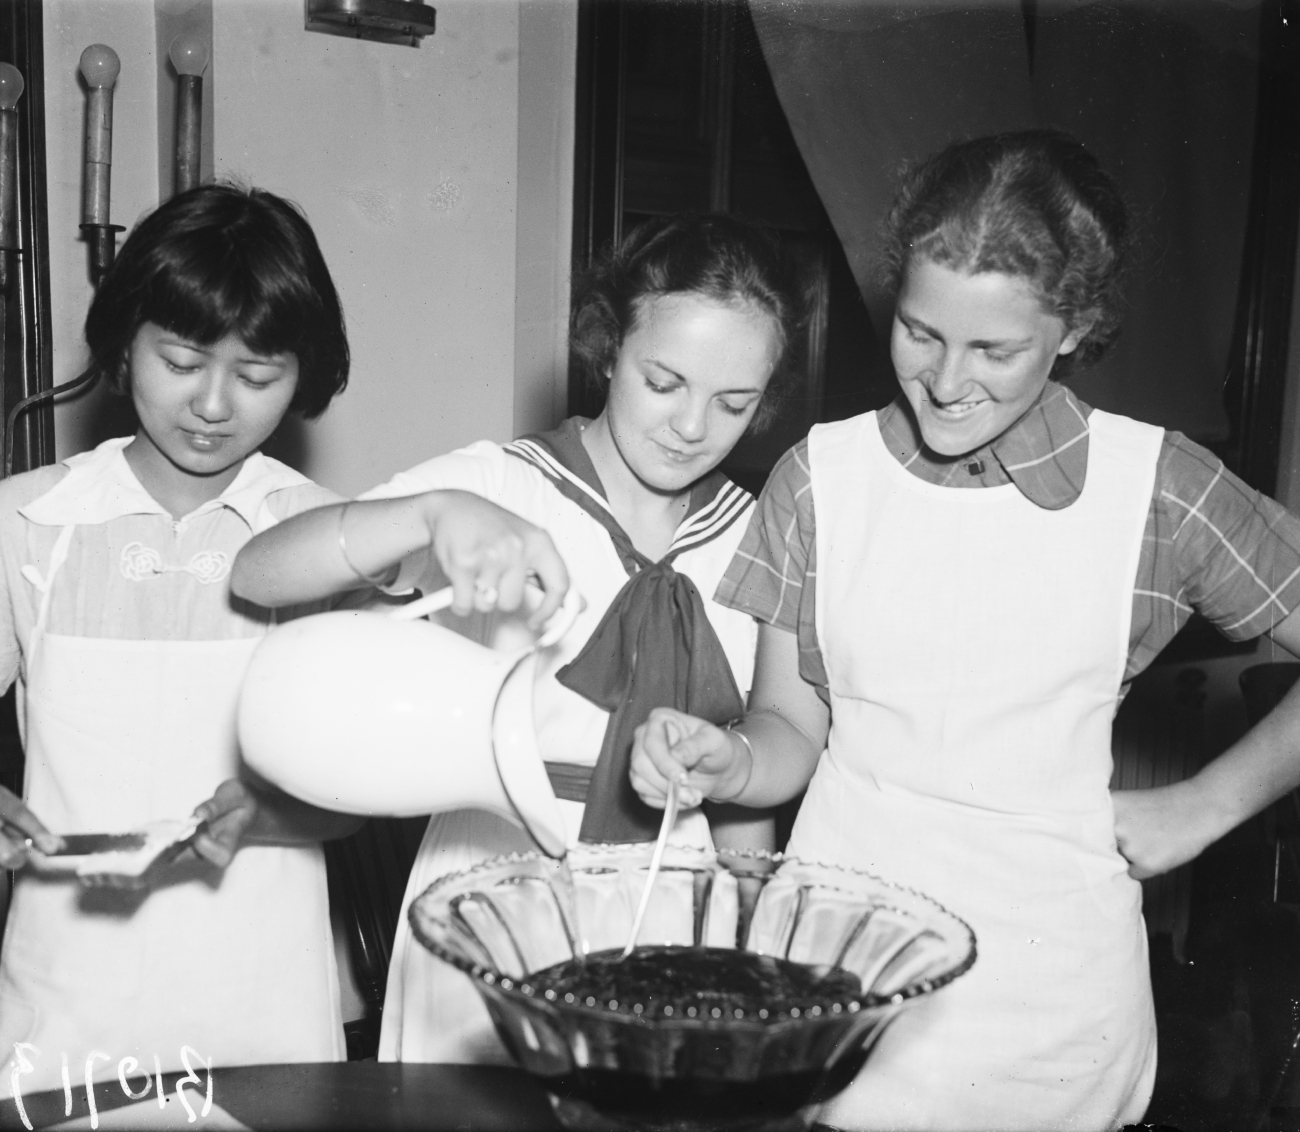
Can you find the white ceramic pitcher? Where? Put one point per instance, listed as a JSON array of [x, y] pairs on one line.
[[386, 714]]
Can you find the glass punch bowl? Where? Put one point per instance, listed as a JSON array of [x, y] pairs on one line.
[[680, 1061]]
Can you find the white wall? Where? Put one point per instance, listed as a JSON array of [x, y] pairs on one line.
[[548, 57], [408, 163]]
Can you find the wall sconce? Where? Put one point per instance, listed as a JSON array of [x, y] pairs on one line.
[[99, 67], [189, 55], [385, 21]]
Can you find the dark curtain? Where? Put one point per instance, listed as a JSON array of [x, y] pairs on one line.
[[1162, 91]]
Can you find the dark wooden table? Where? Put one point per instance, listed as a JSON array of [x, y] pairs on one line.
[[364, 1095], [346, 1095]]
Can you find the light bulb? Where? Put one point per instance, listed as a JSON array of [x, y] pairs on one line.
[[100, 65], [11, 86], [189, 54]]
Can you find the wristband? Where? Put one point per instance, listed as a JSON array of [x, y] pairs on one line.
[[730, 728]]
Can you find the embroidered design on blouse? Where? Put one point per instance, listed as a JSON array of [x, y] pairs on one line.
[[139, 563]]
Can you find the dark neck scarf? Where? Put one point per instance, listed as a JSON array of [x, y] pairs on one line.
[[654, 647]]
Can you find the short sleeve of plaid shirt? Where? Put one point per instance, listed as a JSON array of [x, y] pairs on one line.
[[773, 576], [1211, 544]]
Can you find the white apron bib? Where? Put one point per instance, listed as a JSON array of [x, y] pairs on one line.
[[975, 645], [238, 965]]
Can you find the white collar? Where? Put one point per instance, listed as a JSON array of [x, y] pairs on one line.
[[100, 487]]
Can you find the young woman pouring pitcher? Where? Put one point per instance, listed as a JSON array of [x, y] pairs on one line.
[[685, 324], [955, 593]]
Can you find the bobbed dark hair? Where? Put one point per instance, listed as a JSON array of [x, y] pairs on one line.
[[220, 260], [714, 256], [1033, 204]]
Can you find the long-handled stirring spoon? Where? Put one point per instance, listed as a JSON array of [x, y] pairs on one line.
[[669, 820]]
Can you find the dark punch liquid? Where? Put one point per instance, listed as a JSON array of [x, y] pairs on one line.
[[713, 986], [697, 982]]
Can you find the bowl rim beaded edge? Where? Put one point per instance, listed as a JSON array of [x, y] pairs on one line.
[[836, 1007]]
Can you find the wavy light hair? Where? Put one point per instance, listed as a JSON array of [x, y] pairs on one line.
[[1033, 204]]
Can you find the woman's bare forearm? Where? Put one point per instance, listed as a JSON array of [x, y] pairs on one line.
[[775, 765], [1162, 827], [485, 552], [304, 558], [1255, 771], [741, 828], [784, 730], [285, 820], [1263, 765]]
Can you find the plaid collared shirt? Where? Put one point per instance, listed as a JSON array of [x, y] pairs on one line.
[[1211, 543]]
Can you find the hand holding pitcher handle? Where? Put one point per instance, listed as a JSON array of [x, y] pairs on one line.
[[560, 622], [488, 554]]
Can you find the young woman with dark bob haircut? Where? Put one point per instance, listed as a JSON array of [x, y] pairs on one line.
[[686, 325], [222, 261], [118, 626], [954, 594]]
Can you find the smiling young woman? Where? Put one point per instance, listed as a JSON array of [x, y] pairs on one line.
[[682, 391], [685, 325], [955, 593], [972, 352]]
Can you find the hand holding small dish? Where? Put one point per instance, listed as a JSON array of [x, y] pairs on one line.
[[20, 829], [116, 860]]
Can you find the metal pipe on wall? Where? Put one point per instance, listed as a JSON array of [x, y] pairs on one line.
[[11, 89], [189, 55], [100, 67]]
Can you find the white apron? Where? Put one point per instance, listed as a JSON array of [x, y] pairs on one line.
[[975, 645], [238, 966]]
